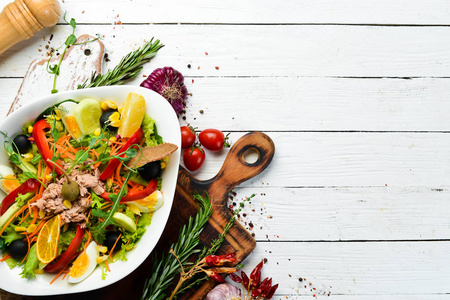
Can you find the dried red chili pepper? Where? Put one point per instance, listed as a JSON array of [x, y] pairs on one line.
[[245, 280], [272, 291], [224, 270], [30, 185], [255, 276], [235, 278], [220, 260], [216, 276], [262, 287], [266, 290]]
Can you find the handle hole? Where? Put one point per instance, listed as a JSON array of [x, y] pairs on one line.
[[251, 155]]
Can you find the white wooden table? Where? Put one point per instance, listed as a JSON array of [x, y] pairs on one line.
[[355, 95]]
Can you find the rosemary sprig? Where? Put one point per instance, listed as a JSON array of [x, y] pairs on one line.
[[215, 245], [127, 69], [168, 267]]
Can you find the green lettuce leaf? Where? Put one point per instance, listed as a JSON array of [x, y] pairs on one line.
[[31, 263]]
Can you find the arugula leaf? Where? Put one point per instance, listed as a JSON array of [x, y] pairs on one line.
[[98, 231]]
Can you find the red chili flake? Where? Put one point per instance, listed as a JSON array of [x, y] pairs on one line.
[[206, 53], [192, 80], [217, 68]]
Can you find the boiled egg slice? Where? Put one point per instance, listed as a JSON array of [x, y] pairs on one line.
[[149, 204], [8, 181], [85, 264], [67, 112]]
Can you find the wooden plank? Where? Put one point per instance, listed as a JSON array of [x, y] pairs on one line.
[[318, 104], [265, 11], [316, 159], [366, 268], [345, 214], [251, 50]]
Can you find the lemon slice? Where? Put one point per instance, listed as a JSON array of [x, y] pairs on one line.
[[132, 115], [87, 115]]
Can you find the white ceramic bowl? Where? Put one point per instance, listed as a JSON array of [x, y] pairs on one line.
[[168, 127]]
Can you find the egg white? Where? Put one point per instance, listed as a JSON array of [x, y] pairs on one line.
[[149, 204], [5, 170], [92, 254], [67, 111]]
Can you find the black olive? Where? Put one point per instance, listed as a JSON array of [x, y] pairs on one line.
[[111, 238], [104, 119], [18, 249], [150, 170], [22, 143]]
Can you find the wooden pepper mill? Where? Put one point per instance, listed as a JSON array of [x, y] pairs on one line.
[[21, 19]]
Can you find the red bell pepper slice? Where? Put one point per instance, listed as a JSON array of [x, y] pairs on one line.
[[149, 189], [112, 165], [68, 255], [30, 185], [42, 144]]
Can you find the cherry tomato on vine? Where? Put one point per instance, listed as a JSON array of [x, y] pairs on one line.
[[187, 137], [213, 139], [193, 158]]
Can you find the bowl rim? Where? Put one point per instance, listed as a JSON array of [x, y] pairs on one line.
[[168, 128]]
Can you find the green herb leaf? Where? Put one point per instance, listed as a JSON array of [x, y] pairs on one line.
[[166, 268], [31, 263], [73, 23], [128, 67], [81, 156]]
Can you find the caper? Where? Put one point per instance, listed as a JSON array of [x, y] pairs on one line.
[[70, 190]]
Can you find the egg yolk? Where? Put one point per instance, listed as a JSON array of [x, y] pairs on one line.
[[9, 183], [79, 266], [150, 201], [72, 126]]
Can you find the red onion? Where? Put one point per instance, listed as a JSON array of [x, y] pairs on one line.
[[224, 291], [169, 83]]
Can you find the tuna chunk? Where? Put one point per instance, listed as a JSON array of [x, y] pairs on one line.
[[51, 202]]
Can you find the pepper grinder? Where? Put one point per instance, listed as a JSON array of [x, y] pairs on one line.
[[21, 19]]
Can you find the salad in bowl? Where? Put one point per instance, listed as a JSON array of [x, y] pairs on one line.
[[89, 178]]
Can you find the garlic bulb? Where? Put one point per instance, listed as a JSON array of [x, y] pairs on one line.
[[224, 291]]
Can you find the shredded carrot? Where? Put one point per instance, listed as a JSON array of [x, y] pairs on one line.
[[117, 177], [5, 257], [114, 246], [38, 228], [57, 275], [21, 210], [107, 265], [24, 217], [88, 240], [28, 251]]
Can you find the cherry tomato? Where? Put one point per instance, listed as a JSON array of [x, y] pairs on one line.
[[187, 137], [193, 158], [213, 139]]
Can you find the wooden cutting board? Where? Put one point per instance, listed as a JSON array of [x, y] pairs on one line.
[[234, 171]]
